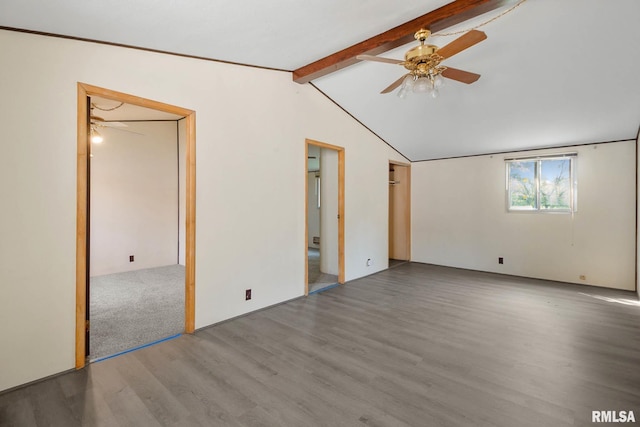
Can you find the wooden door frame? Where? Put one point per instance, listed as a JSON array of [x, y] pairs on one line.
[[407, 207], [84, 91], [341, 158]]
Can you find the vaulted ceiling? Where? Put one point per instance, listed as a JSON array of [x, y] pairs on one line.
[[554, 73]]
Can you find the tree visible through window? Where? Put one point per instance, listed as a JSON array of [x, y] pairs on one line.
[[543, 184]]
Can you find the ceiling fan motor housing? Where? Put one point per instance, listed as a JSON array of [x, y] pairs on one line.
[[420, 53], [422, 60]]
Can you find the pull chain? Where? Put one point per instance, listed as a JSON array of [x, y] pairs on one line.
[[482, 24]]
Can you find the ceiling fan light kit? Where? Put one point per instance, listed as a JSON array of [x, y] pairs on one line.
[[426, 74], [96, 137], [429, 84]]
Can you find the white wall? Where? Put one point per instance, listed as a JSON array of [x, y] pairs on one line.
[[250, 123], [459, 219], [134, 198], [329, 211]]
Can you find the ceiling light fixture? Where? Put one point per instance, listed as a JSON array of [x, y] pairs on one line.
[[429, 84], [425, 71], [95, 137]]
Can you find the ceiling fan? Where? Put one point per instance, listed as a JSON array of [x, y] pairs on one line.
[[423, 63], [97, 122], [100, 122]]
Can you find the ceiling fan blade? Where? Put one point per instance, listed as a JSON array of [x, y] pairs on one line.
[[379, 59], [460, 75], [114, 124], [127, 130], [461, 43], [117, 128], [95, 120], [394, 85]]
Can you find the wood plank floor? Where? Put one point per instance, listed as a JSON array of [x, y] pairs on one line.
[[416, 345]]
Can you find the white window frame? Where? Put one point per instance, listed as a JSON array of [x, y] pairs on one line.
[[573, 188], [318, 186]]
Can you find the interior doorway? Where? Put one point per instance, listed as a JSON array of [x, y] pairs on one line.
[[324, 216], [136, 262], [399, 213], [83, 249]]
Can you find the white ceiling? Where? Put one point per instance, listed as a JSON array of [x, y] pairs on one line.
[[282, 34], [553, 72]]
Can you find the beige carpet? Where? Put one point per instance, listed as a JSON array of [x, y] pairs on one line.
[[135, 308]]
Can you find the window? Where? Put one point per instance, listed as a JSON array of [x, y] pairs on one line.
[[542, 184], [318, 189]]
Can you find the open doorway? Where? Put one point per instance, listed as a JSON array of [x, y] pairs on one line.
[[83, 248], [136, 259], [324, 236], [399, 213]]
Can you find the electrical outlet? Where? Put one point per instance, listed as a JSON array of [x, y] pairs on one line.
[[247, 295], [369, 262], [583, 277], [500, 260], [130, 258]]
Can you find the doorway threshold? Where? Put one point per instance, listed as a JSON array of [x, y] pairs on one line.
[[100, 359], [396, 262], [326, 288]]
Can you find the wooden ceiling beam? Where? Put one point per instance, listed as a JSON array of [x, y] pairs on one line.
[[447, 16]]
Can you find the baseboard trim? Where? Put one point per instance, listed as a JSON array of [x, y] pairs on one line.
[[247, 314], [39, 380], [585, 285]]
